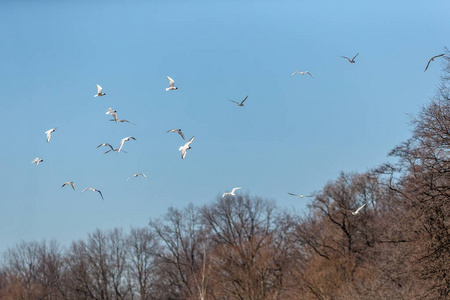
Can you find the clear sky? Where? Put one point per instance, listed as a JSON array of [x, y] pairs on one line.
[[293, 134]]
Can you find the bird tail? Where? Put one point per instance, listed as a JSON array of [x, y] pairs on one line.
[[167, 89], [95, 95]]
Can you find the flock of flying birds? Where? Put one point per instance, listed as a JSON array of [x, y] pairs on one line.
[[186, 146]]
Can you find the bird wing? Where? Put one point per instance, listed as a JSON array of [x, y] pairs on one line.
[[346, 57], [244, 100], [121, 144], [49, 135], [183, 153], [427, 65], [180, 133], [88, 188], [142, 174], [72, 185], [127, 121], [293, 194], [130, 137], [234, 190], [99, 89], [189, 142], [309, 74], [438, 56], [295, 73], [360, 208], [100, 194], [355, 56], [234, 101], [224, 194], [171, 82]]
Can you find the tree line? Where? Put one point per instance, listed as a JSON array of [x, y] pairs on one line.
[[248, 248]]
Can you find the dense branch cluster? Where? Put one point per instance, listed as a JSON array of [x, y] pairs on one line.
[[242, 247]]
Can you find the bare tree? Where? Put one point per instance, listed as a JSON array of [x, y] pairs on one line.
[[247, 254], [143, 248], [181, 262]]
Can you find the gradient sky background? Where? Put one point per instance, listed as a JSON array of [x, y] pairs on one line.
[[293, 134]]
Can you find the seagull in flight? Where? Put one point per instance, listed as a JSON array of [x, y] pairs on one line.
[[185, 148], [232, 192], [37, 160], [94, 190], [115, 149], [177, 131], [136, 175], [49, 133], [99, 91], [112, 113], [432, 59], [171, 85], [123, 141], [242, 102], [69, 183], [106, 144], [352, 61], [301, 196], [356, 211], [302, 73], [122, 121]]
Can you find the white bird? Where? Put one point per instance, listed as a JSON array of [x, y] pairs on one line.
[[112, 113], [171, 85], [302, 73], [356, 211], [123, 141], [185, 148], [49, 133], [99, 92], [136, 175], [122, 121], [232, 192], [69, 183], [37, 160], [105, 144], [301, 196], [94, 190], [177, 131]]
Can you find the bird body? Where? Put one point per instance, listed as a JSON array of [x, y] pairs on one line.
[[171, 85], [37, 160], [112, 113], [356, 211], [241, 103], [122, 121], [301, 196], [302, 73], [94, 190], [432, 59], [123, 141], [232, 192], [185, 148], [69, 183], [136, 175], [177, 131], [352, 61], [99, 91], [49, 133]]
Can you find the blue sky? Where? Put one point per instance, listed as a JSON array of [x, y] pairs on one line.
[[293, 134]]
